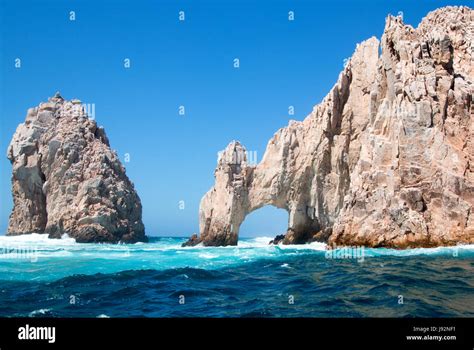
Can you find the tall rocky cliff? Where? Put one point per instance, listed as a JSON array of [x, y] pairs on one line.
[[385, 160], [66, 179]]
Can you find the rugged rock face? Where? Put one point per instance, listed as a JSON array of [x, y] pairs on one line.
[[66, 179], [386, 159]]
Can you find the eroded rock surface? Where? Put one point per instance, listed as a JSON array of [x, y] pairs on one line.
[[386, 159], [66, 179]]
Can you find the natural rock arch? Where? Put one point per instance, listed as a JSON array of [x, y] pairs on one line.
[[241, 189], [386, 159], [304, 170]]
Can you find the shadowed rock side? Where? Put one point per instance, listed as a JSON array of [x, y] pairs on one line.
[[387, 158], [66, 179]]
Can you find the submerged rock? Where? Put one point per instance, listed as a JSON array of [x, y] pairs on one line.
[[385, 160], [277, 240], [66, 179], [192, 241]]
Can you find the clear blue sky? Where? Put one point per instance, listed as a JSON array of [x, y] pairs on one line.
[[175, 63]]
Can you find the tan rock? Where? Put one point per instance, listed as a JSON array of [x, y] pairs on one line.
[[66, 179], [386, 159]]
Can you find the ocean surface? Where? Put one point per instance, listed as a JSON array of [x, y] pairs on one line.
[[40, 277]]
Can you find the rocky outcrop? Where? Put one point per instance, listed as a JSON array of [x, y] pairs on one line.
[[66, 179], [385, 160]]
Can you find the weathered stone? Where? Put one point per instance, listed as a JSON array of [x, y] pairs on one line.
[[66, 179], [386, 159], [277, 240], [192, 241]]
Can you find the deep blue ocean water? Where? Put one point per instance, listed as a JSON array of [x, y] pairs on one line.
[[60, 278]]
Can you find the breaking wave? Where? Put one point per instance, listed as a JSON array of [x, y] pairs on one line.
[[37, 257]]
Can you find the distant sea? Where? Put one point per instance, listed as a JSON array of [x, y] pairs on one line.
[[40, 277]]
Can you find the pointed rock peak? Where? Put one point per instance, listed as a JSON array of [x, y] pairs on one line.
[[57, 97], [393, 20], [395, 23], [234, 153]]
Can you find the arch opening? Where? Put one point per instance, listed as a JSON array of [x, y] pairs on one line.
[[267, 221]]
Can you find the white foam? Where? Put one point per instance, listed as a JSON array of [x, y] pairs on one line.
[[257, 242], [451, 250], [37, 238], [308, 246], [208, 256], [39, 312]]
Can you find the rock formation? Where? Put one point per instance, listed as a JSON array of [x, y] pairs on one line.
[[385, 160], [66, 179]]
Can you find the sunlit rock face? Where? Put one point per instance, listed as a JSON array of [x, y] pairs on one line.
[[385, 160], [66, 179]]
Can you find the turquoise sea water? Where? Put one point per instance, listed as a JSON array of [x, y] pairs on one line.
[[43, 277]]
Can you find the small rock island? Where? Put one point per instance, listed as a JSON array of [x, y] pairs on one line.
[[66, 178]]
